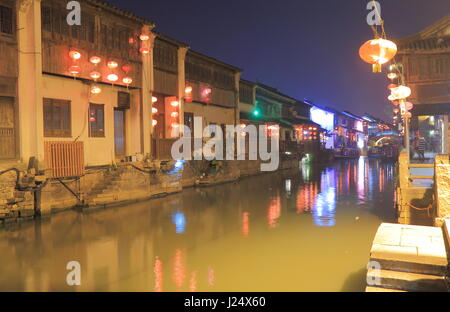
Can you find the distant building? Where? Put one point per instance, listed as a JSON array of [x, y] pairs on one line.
[[325, 118], [213, 91], [350, 133], [377, 127]]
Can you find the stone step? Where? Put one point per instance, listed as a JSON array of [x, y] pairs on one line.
[[412, 267], [380, 289], [413, 249], [408, 281]]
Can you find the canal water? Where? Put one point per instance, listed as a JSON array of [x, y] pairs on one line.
[[301, 230]]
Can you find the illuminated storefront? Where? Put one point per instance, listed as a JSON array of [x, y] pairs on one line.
[[325, 119]]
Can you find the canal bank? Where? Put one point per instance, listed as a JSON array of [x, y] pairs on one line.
[[30, 193], [311, 226]]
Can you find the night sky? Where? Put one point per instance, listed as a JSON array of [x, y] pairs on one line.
[[306, 49]]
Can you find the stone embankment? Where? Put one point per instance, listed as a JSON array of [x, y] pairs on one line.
[[114, 185]]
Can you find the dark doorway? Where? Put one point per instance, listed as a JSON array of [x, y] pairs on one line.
[[119, 133]]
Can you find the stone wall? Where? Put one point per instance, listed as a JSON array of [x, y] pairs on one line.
[[15, 205], [119, 185], [7, 184], [442, 188]]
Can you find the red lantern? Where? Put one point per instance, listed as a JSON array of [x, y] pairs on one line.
[[144, 50], [95, 60], [75, 55], [96, 90], [126, 68], [188, 93], [112, 64], [206, 94], [127, 80], [112, 77], [95, 75], [392, 76], [74, 70], [392, 86], [401, 92], [377, 52], [144, 37]]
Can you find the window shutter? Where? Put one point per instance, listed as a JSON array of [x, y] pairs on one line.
[[124, 100]]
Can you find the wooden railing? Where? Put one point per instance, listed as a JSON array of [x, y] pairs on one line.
[[64, 159]]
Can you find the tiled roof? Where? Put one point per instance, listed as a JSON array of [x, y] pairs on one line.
[[434, 37], [442, 43], [114, 9]]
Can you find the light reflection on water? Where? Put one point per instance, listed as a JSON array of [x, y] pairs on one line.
[[307, 230]]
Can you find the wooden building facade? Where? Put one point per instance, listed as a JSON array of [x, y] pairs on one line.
[[211, 91], [111, 87], [9, 124], [425, 61]]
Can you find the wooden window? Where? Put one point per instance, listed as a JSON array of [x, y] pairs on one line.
[[89, 25], [65, 30], [57, 118], [104, 36], [116, 37], [124, 37], [96, 120], [246, 94], [46, 17], [165, 55], [56, 21], [6, 20], [76, 32], [110, 34], [87, 28]]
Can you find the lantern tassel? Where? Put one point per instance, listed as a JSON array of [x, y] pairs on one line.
[[376, 68]]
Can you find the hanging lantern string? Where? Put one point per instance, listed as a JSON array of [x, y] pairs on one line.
[[374, 27], [384, 36]]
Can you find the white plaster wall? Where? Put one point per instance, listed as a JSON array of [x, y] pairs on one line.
[[97, 151]]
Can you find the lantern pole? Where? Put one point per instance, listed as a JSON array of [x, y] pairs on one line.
[[399, 68], [407, 142]]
